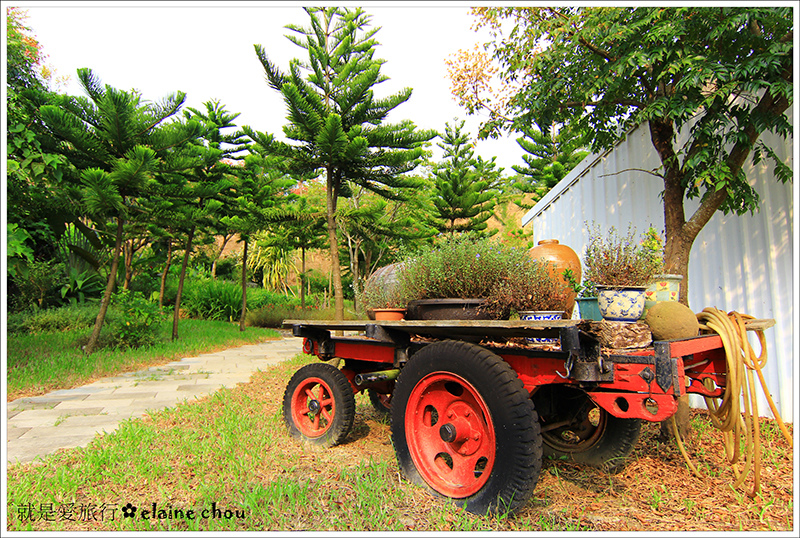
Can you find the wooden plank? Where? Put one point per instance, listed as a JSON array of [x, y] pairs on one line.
[[448, 328], [750, 325]]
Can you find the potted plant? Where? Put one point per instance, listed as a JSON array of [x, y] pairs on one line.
[[586, 297], [621, 269], [453, 279], [381, 297], [533, 292], [663, 286]]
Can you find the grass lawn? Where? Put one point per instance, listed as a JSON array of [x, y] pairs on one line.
[[226, 462], [46, 361]]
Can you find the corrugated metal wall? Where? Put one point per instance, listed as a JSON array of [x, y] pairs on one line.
[[741, 263]]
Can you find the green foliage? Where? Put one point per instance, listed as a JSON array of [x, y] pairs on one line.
[[273, 315], [706, 81], [614, 260], [82, 286], [551, 154], [38, 283], [136, 321], [336, 123]]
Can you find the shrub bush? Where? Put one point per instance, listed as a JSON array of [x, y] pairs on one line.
[[212, 299], [134, 321], [66, 318]]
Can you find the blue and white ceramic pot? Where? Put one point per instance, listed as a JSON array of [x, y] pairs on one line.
[[542, 315], [621, 303]]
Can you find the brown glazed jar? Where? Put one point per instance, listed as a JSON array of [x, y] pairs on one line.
[[560, 257]]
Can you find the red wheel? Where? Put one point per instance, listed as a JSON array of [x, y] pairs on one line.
[[464, 426], [382, 403], [318, 404], [453, 444], [575, 428]]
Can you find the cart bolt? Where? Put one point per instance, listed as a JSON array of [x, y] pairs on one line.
[[313, 406], [450, 414], [447, 432]]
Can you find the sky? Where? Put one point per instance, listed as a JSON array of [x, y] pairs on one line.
[[205, 49]]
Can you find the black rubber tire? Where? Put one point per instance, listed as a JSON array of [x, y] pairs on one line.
[[336, 385], [381, 402], [594, 437], [518, 444]]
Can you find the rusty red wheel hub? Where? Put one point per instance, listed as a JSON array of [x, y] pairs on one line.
[[313, 407], [450, 434]]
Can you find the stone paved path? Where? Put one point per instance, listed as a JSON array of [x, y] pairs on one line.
[[40, 425]]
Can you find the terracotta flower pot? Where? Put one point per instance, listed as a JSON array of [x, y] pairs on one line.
[[389, 314]]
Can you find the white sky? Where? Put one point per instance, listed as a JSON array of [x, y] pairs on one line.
[[205, 49]]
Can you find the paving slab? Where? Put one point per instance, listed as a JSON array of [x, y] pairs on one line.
[[41, 425]]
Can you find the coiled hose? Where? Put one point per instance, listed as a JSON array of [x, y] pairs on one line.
[[738, 399]]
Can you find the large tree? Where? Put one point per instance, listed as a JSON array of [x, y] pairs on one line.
[[707, 81], [121, 144], [337, 126]]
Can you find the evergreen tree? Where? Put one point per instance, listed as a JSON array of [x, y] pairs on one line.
[[551, 153], [208, 191], [462, 197], [121, 144], [336, 122]]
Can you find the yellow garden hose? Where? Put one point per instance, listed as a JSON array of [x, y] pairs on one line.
[[739, 397]]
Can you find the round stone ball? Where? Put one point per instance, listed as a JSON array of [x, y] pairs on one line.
[[670, 320]]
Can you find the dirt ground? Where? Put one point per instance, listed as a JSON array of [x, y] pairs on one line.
[[656, 491]]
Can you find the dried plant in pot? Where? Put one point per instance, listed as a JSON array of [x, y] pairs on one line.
[[454, 278], [530, 287], [621, 269]]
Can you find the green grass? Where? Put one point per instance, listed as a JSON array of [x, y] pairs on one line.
[[49, 360]]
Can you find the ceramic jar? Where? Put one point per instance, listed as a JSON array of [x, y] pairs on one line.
[[664, 287], [620, 303], [536, 315], [560, 258]]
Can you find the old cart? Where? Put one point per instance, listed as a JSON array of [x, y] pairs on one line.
[[473, 411]]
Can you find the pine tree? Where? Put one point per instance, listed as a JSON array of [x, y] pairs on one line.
[[462, 196], [336, 123], [551, 154]]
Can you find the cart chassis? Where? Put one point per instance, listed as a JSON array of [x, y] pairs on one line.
[[633, 384]]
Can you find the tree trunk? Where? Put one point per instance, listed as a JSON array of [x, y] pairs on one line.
[[176, 312], [244, 286], [127, 260], [225, 239], [303, 277], [163, 287], [333, 243], [112, 277]]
